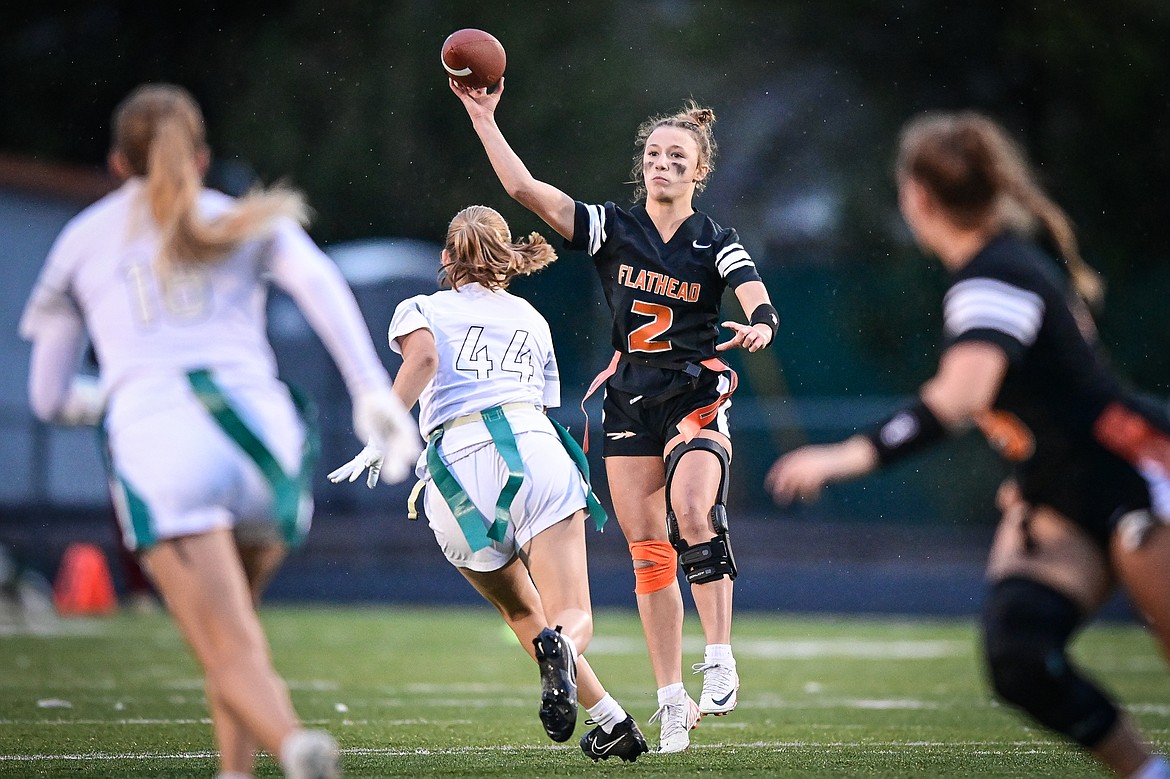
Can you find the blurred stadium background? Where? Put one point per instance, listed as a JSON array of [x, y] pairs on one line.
[[349, 103]]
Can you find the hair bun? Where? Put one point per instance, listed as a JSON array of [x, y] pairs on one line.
[[701, 116]]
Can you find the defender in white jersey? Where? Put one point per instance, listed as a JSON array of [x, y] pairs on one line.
[[506, 488], [169, 281]]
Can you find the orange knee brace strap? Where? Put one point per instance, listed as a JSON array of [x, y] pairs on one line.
[[662, 570]]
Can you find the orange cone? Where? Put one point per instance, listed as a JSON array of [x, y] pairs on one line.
[[84, 585]]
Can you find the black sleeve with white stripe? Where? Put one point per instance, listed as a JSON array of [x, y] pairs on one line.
[[733, 262], [590, 227], [987, 309]]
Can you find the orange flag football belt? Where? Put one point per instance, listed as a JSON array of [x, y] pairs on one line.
[[694, 421]]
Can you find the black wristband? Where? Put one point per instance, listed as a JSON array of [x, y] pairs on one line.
[[765, 314], [905, 432]]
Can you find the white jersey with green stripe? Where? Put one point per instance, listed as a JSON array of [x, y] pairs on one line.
[[149, 328], [494, 348]]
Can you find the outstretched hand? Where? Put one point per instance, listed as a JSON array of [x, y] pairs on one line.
[[390, 431], [750, 337], [799, 475], [370, 457], [478, 102], [803, 473]]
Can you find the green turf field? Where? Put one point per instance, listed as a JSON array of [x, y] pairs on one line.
[[427, 692]]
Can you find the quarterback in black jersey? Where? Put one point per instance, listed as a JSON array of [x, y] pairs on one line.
[[1089, 501], [665, 298], [664, 268]]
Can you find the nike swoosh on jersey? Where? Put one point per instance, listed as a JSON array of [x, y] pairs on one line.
[[698, 245], [635, 399], [622, 434]]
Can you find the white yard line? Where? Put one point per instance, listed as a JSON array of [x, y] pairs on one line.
[[893, 747], [798, 649]]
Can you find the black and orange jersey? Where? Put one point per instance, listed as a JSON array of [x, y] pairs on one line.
[[1013, 295], [665, 297], [1048, 414]]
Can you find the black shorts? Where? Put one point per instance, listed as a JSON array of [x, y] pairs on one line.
[[634, 428], [1094, 489]]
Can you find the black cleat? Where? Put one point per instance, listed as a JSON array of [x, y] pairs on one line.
[[626, 742], [558, 685]]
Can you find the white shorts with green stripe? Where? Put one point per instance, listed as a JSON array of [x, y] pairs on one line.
[[177, 472], [553, 490]]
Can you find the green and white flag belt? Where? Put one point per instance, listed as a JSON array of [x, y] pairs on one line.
[[478, 529], [286, 489]]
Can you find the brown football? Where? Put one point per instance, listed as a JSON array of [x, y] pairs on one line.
[[474, 58]]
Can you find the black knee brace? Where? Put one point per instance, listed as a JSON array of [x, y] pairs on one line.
[[1026, 629], [711, 560]]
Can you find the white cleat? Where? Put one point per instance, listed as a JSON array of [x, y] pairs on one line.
[[720, 688], [310, 754], [679, 717]]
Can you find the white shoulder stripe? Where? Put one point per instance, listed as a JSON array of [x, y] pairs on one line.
[[983, 303], [596, 228], [731, 257], [728, 248], [736, 266]]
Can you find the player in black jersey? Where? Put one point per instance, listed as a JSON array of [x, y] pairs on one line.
[[664, 268], [1090, 498]]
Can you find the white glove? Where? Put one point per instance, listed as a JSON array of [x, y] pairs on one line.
[[380, 419], [85, 404], [369, 457]]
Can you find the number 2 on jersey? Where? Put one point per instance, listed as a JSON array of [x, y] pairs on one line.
[[641, 339], [474, 357]]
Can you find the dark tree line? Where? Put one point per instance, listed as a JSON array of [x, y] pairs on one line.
[[347, 100]]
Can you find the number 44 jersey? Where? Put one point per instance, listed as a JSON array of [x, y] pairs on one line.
[[494, 348]]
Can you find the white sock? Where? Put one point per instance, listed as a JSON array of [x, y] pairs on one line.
[[300, 741], [607, 712], [232, 775], [572, 647], [288, 744], [671, 693], [719, 654], [1154, 768]]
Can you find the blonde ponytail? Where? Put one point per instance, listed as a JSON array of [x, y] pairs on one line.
[[1032, 199], [480, 249], [159, 131], [980, 176]]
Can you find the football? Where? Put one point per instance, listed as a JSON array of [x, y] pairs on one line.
[[474, 58]]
